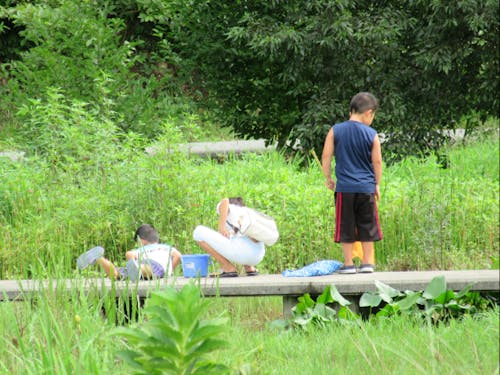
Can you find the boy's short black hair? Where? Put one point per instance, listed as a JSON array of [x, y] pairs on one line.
[[238, 201], [362, 102], [147, 232]]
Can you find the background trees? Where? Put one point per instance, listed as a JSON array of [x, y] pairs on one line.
[[280, 70], [286, 70]]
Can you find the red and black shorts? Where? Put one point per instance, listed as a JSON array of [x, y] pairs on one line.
[[356, 218]]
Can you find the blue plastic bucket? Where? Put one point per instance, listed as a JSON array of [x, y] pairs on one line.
[[195, 265]]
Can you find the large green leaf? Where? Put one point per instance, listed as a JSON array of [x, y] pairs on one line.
[[205, 347], [436, 287], [445, 297], [324, 311], [206, 332], [388, 310], [305, 302], [409, 301], [387, 293], [325, 297], [302, 320], [130, 357], [370, 299], [345, 313], [464, 291], [337, 297]]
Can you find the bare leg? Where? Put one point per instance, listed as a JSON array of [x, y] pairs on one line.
[[347, 249], [176, 258], [146, 271], [225, 264], [108, 267], [368, 252]]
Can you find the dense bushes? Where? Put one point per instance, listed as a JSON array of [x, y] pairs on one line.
[[81, 50], [277, 70]]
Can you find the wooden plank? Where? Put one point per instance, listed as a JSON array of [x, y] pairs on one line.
[[262, 285]]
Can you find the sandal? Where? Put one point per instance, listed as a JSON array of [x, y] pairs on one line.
[[224, 274], [252, 273]]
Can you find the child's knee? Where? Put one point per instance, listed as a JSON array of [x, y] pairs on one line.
[[199, 233]]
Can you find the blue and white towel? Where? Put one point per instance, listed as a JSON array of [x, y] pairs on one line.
[[319, 268]]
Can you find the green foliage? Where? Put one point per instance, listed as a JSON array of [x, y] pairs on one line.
[[283, 71], [287, 70], [72, 45], [317, 313], [82, 49], [69, 134], [436, 303], [175, 339]]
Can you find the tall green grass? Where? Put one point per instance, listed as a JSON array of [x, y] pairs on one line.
[[432, 218], [57, 333], [395, 346]]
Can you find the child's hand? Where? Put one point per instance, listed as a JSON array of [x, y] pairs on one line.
[[223, 230], [330, 184]]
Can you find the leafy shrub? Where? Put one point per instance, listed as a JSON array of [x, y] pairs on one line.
[[72, 45], [69, 134], [175, 339], [287, 70], [81, 49], [436, 303], [317, 313]]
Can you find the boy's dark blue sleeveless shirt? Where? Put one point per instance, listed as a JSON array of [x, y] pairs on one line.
[[353, 142]]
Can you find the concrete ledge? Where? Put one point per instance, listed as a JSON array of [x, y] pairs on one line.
[[13, 155], [262, 285], [218, 148]]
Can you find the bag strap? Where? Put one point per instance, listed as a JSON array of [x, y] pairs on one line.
[[236, 229]]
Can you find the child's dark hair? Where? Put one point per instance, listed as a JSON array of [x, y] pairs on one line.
[[362, 102], [147, 232], [238, 201]]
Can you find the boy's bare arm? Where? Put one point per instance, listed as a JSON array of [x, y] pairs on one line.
[[377, 164], [326, 160], [131, 254], [223, 212]]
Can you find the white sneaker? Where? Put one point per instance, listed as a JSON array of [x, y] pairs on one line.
[[366, 268], [347, 270], [89, 258], [133, 270]]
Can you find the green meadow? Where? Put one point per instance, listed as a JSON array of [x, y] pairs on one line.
[[431, 218]]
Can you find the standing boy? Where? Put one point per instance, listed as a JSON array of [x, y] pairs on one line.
[[151, 259], [358, 171]]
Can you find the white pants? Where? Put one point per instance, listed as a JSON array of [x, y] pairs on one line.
[[238, 249]]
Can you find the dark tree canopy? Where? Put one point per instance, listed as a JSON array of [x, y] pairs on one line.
[[286, 70], [279, 70]]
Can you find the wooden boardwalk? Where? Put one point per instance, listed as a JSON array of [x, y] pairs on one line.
[[350, 286]]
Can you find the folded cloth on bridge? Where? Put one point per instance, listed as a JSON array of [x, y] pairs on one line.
[[319, 268]]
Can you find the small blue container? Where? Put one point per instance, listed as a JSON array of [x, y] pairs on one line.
[[195, 265]]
